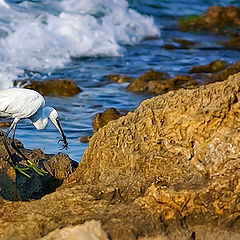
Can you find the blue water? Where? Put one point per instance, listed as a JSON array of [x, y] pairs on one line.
[[86, 40]]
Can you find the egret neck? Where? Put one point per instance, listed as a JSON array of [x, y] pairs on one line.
[[40, 121], [40, 118]]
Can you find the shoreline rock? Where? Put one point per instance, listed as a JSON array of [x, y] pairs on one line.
[[15, 186], [170, 169], [55, 87], [218, 19], [155, 82]]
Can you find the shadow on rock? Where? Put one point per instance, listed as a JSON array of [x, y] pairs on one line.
[[16, 186]]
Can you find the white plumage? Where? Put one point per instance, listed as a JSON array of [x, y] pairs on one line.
[[18, 103]]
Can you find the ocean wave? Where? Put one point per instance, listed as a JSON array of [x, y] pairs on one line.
[[42, 36]]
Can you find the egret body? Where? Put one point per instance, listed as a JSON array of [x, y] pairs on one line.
[[18, 103]]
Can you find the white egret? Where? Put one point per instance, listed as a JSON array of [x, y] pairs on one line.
[[18, 103]]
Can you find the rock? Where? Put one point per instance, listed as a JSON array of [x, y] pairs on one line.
[[85, 139], [222, 75], [90, 230], [214, 66], [139, 85], [184, 43], [16, 186], [101, 119], [169, 46], [55, 87], [118, 78], [176, 155], [155, 82], [169, 169], [233, 43], [5, 124], [216, 19]]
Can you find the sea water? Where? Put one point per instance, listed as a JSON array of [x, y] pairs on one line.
[[85, 40]]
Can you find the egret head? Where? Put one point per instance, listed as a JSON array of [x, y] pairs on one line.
[[40, 121], [53, 116]]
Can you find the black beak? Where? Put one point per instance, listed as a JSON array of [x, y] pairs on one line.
[[64, 140]]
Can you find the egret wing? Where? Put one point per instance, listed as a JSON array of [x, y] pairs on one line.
[[21, 103]]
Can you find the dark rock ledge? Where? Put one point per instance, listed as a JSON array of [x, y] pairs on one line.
[[168, 170]]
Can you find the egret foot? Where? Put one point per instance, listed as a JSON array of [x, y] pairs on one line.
[[36, 169], [21, 170]]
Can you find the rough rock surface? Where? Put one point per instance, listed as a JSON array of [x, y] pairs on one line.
[[169, 170], [101, 119], [217, 19], [156, 82], [16, 186]]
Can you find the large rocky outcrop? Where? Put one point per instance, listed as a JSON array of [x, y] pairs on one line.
[[217, 19], [169, 169]]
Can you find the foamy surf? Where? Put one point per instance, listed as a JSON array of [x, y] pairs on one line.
[[45, 36]]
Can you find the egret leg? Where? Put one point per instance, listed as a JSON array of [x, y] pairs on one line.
[[12, 163], [30, 164], [14, 145]]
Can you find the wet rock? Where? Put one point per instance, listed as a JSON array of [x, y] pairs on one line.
[[101, 119], [118, 78], [169, 46], [223, 75], [16, 186], [90, 230], [232, 43], [184, 43], [140, 84], [217, 19], [85, 139], [168, 169], [55, 87], [158, 83], [4, 124], [214, 66]]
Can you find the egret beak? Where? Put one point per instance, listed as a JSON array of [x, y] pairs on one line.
[[59, 128]]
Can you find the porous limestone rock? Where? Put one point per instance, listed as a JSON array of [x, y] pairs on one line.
[[169, 169], [90, 230]]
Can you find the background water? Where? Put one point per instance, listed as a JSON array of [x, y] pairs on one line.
[[86, 39]]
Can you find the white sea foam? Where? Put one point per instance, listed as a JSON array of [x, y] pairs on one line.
[[44, 36]]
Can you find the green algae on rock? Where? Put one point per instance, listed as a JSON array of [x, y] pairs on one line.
[[217, 19]]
